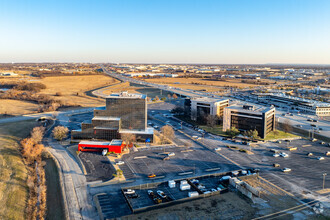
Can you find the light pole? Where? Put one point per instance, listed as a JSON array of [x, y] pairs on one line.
[[324, 174]]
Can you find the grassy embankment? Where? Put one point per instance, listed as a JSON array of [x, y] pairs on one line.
[[13, 173]]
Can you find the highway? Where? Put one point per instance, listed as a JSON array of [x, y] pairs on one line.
[[294, 120]]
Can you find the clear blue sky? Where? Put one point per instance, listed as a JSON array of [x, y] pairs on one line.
[[165, 31]]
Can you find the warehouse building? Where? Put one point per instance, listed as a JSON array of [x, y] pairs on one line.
[[248, 117], [124, 113], [199, 108]]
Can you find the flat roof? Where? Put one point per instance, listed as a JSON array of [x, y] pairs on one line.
[[256, 109], [127, 95], [106, 118], [116, 142], [146, 131], [207, 99], [94, 143]]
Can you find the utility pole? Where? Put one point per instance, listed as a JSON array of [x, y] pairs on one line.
[[324, 174]]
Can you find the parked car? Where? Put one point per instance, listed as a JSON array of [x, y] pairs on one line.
[[120, 162], [217, 149], [284, 155], [129, 191], [299, 126], [171, 154], [320, 158], [327, 153], [161, 194], [276, 165], [133, 196], [310, 154], [286, 169], [276, 155], [152, 175]]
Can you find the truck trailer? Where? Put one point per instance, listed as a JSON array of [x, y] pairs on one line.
[[115, 146]]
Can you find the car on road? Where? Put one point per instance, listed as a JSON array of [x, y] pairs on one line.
[[309, 119], [152, 175], [299, 126], [320, 158], [120, 163], [286, 170]]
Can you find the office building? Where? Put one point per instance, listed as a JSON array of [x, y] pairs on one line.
[[124, 113], [200, 108], [248, 117]]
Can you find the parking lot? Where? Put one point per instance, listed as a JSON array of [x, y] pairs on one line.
[[97, 166], [195, 160]]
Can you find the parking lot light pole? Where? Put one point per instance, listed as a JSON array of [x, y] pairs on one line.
[[324, 174]]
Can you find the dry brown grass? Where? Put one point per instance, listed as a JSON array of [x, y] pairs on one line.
[[13, 186], [71, 88]]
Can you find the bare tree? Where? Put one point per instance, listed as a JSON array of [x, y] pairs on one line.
[[168, 132], [211, 120], [287, 126], [128, 138], [37, 134], [60, 132]]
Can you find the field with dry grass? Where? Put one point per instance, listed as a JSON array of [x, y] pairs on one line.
[[13, 173], [69, 89], [207, 82]]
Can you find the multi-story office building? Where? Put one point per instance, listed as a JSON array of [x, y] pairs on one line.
[[199, 108], [304, 105], [247, 117], [124, 113]]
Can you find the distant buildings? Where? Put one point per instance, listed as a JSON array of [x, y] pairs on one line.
[[247, 117], [124, 113], [199, 108], [295, 103]]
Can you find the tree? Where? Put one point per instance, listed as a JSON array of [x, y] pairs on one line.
[[211, 120], [253, 134], [168, 132], [156, 98], [37, 134], [128, 138], [232, 132], [60, 132], [31, 151], [175, 96], [169, 96], [287, 126]]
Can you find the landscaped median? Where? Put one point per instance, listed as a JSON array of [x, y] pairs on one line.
[[240, 149]]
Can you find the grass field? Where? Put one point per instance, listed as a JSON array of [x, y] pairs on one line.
[[66, 86], [13, 188], [280, 135]]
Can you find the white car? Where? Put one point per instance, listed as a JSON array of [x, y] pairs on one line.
[[284, 155], [217, 149], [276, 155], [120, 162], [286, 169], [171, 154], [320, 158], [130, 191], [161, 194]]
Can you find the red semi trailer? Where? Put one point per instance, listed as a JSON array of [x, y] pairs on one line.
[[115, 146]]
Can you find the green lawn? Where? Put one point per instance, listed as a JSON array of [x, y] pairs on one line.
[[280, 135], [217, 130]]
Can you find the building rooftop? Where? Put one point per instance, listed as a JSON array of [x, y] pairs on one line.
[[207, 99], [147, 131], [127, 95], [94, 142], [106, 118], [250, 108]]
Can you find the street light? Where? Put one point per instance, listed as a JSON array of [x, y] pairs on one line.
[[324, 174]]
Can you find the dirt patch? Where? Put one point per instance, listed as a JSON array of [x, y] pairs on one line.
[[224, 206]]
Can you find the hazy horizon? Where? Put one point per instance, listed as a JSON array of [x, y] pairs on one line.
[[275, 32]]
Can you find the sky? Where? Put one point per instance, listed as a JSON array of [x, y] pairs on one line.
[[165, 31]]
